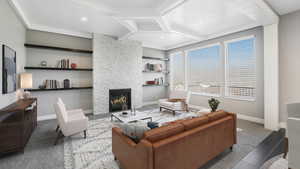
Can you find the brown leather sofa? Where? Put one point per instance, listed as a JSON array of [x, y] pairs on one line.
[[182, 144]]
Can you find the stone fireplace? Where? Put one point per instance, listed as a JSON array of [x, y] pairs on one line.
[[119, 99]]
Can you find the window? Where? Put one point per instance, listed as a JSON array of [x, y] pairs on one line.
[[240, 76], [205, 70], [178, 71]]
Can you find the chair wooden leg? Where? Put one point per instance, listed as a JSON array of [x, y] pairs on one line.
[[84, 133], [286, 140], [59, 135], [56, 130]]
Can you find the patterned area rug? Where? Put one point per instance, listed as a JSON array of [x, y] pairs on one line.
[[95, 152], [277, 162]]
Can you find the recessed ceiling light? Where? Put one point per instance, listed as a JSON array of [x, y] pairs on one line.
[[84, 19]]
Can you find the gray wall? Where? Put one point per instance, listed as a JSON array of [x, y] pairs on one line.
[[117, 64], [153, 93], [12, 34], [289, 61], [73, 99], [249, 108]]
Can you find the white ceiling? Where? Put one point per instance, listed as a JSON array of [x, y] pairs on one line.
[[284, 6], [162, 24]]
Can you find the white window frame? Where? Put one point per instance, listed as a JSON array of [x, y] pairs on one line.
[[187, 70], [226, 68], [171, 68]]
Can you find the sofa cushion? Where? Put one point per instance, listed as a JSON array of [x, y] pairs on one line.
[[217, 115], [163, 132], [134, 130], [195, 122]]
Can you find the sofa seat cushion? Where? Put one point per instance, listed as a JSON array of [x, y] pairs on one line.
[[135, 131], [195, 122], [163, 132], [217, 115]]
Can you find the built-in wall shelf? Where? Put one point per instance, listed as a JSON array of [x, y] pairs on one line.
[[146, 71], [154, 58], [154, 85], [57, 48], [45, 90], [58, 69]]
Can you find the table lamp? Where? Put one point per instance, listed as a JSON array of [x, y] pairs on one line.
[[26, 83]]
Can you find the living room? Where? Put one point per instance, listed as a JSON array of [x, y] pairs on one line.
[[149, 84]]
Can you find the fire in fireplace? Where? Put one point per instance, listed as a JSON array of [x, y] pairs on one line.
[[119, 99]]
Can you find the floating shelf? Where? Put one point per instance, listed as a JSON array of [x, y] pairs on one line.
[[45, 90], [154, 58], [54, 68], [146, 71], [149, 85], [57, 48]]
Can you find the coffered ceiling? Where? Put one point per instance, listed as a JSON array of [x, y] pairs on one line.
[[162, 24]]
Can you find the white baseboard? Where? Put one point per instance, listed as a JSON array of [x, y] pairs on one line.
[[249, 118], [283, 125], [150, 103], [46, 117]]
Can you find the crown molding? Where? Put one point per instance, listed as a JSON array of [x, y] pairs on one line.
[[17, 8], [61, 31]]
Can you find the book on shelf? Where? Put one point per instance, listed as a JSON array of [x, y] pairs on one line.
[[52, 84], [64, 64]]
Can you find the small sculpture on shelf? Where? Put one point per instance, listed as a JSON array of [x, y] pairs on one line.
[[44, 63]]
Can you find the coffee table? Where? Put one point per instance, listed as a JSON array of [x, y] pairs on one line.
[[130, 117]]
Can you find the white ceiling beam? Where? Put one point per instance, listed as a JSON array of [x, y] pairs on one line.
[[163, 24], [187, 33], [100, 7], [137, 13], [169, 5], [272, 15]]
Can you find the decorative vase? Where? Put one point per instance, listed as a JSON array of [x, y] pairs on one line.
[[67, 83], [73, 65]]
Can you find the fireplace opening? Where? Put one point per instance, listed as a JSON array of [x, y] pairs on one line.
[[119, 99]]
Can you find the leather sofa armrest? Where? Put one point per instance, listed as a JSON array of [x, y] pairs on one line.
[[235, 126], [129, 154]]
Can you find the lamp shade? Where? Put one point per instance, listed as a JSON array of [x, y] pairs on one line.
[[25, 80]]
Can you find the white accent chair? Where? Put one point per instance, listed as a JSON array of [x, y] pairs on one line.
[[184, 105], [69, 122], [293, 125], [173, 106]]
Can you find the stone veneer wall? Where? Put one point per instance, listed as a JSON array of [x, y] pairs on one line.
[[117, 64]]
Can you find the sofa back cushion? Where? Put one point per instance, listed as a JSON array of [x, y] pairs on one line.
[[163, 132], [195, 122], [217, 115]]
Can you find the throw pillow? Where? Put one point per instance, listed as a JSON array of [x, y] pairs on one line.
[[134, 130]]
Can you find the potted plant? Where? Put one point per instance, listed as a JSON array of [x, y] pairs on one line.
[[213, 104]]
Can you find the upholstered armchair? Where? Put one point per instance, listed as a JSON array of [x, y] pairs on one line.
[[177, 101], [293, 131], [69, 122], [181, 101]]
